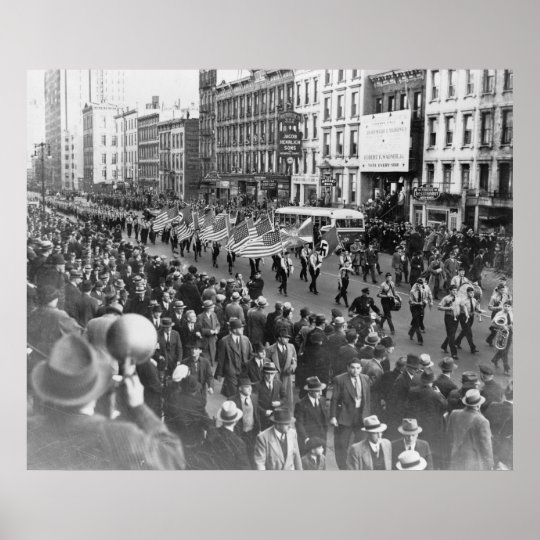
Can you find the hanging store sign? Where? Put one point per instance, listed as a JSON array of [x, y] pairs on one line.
[[426, 193], [384, 141], [290, 144]]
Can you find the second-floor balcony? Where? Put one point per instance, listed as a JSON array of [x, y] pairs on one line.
[[490, 198]]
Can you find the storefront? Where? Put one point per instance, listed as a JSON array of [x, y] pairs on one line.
[[430, 208], [304, 189]]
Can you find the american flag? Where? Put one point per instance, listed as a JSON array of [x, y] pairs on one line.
[[241, 235], [263, 226], [207, 224], [201, 214], [186, 227], [165, 218], [263, 246], [219, 229]]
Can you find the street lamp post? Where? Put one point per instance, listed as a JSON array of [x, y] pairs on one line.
[[42, 146]]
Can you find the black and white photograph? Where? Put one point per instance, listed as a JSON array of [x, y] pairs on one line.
[[270, 269]]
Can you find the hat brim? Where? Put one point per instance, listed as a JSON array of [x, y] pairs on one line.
[[379, 429], [102, 383], [274, 421], [481, 402], [322, 386], [420, 467], [403, 432], [239, 415]]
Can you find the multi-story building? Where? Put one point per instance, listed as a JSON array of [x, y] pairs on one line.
[[66, 93], [72, 159], [207, 120], [100, 145], [179, 165], [305, 177], [148, 149], [247, 129], [127, 165], [396, 90], [344, 98], [468, 149]]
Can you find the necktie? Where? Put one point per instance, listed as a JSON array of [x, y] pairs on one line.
[[246, 401], [460, 282], [190, 327], [316, 403], [356, 389], [472, 309]]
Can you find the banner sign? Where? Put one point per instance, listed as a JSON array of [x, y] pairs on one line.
[[426, 193], [290, 144], [327, 180], [384, 141]]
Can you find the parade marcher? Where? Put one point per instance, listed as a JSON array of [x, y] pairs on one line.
[[256, 321], [374, 453], [310, 415], [315, 263], [349, 405], [452, 309], [469, 307], [409, 442], [283, 355], [72, 436], [397, 264], [304, 259], [371, 263], [444, 381], [363, 305], [389, 298], [508, 327], [255, 286], [343, 282], [233, 353], [469, 436], [276, 448]]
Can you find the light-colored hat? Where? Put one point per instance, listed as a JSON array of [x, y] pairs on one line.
[[410, 460], [373, 425], [409, 426], [472, 398], [262, 301], [425, 361], [229, 412], [180, 373]]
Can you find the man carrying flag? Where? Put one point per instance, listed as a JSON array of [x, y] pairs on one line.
[[329, 242], [166, 217]]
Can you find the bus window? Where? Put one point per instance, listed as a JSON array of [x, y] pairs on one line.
[[349, 223]]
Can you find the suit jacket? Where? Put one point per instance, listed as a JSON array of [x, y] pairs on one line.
[[493, 392], [469, 441], [141, 307], [256, 325], [205, 325], [342, 404], [86, 308], [149, 377], [187, 337], [421, 446], [359, 456], [309, 464], [266, 397], [256, 414], [72, 296], [272, 355], [190, 295], [230, 359], [254, 372], [310, 421], [445, 384], [225, 450], [269, 454], [171, 351]]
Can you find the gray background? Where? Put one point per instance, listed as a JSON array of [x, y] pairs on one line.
[[247, 34]]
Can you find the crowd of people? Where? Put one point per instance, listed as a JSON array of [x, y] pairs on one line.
[[286, 382]]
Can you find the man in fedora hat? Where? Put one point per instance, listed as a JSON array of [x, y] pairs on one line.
[[283, 355], [373, 453], [426, 403], [350, 404], [233, 354], [256, 321], [70, 436], [410, 460], [234, 309], [444, 381], [72, 292], [200, 368], [314, 458], [310, 415], [86, 307], [469, 436], [270, 392], [469, 381], [223, 448], [189, 294], [501, 422], [249, 426], [410, 442], [491, 389], [209, 327], [276, 448], [140, 303]]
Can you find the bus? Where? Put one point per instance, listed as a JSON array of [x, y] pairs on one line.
[[350, 224]]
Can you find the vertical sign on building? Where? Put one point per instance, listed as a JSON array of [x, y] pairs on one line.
[[290, 139]]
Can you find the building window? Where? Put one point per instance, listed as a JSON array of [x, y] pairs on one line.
[[339, 143], [272, 99], [114, 159], [327, 77], [378, 105], [340, 109], [504, 179], [114, 140], [104, 173], [306, 94], [483, 183], [304, 162], [403, 102], [430, 173], [327, 108], [326, 144], [315, 90], [451, 83], [488, 83], [352, 187], [354, 143], [341, 75], [467, 129], [508, 80], [103, 140], [354, 73], [447, 176], [314, 126], [433, 125], [507, 124], [297, 94], [450, 121], [435, 82], [465, 175], [104, 159], [313, 162], [354, 104], [306, 128], [417, 111], [391, 103], [486, 128]]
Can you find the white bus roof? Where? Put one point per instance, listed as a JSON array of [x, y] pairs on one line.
[[338, 213]]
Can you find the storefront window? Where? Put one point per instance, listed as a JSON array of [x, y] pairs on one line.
[[436, 217]]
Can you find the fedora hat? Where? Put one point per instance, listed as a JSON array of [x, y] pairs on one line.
[[285, 333], [180, 372], [262, 301], [229, 413], [245, 381], [320, 319], [447, 364], [140, 288], [425, 361], [179, 304], [472, 397], [281, 415], [269, 367], [73, 375], [372, 339], [410, 460], [207, 304], [427, 376], [413, 361], [409, 426], [314, 442], [235, 323], [235, 296], [58, 258], [373, 425], [313, 383], [166, 322]]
